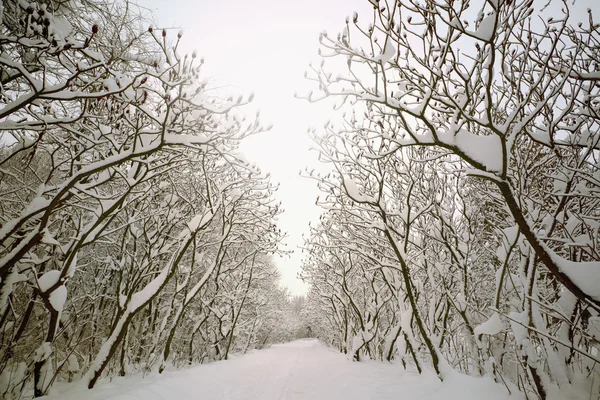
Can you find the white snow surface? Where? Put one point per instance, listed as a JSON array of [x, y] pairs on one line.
[[49, 279], [486, 28], [486, 150], [49, 239], [72, 363], [199, 221], [354, 192], [58, 298], [490, 327], [388, 52], [586, 275], [303, 369]]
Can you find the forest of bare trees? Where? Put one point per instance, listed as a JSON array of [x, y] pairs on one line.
[[460, 229]]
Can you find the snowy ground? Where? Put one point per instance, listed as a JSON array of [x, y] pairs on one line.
[[304, 369]]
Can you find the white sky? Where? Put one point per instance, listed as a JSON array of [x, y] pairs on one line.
[[264, 47]]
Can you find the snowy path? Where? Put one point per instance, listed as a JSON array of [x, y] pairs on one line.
[[304, 369]]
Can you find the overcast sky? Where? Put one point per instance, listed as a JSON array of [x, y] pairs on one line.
[[264, 47]]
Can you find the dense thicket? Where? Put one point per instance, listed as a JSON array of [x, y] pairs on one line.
[[462, 216], [132, 234]]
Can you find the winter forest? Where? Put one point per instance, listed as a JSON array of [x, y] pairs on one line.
[[457, 180]]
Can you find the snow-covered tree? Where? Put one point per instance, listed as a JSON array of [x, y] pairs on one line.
[[465, 184], [126, 208]]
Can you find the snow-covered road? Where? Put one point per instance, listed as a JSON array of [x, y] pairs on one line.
[[304, 369]]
